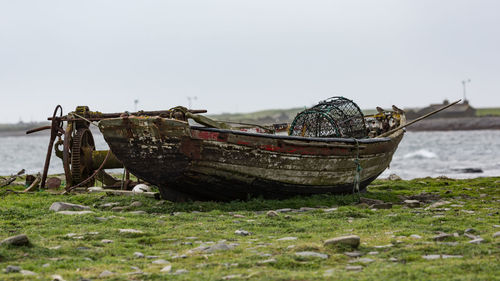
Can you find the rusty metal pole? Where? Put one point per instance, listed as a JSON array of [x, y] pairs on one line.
[[54, 130]]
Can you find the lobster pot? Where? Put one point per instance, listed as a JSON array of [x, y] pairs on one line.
[[336, 117]]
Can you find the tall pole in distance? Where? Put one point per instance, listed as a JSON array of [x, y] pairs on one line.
[[463, 84]]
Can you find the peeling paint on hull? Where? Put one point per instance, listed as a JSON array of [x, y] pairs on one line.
[[214, 164]]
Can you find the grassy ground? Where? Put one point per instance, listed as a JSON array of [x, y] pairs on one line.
[[493, 111], [171, 231]]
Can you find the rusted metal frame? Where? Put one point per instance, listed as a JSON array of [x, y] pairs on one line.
[[97, 116], [55, 131]]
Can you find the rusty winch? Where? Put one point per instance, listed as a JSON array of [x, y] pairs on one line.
[[74, 145]]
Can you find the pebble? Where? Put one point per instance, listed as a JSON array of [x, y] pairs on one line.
[[136, 204], [381, 206], [180, 271], [287, 239], [329, 210], [364, 260], [412, 203], [306, 209], [119, 209], [393, 259], [350, 240], [63, 206], [106, 241], [496, 234], [394, 177], [106, 273], [233, 276], [167, 268], [476, 241], [160, 261], [130, 230], [242, 232], [12, 269], [272, 214], [18, 240], [152, 257], [470, 230], [383, 246], [138, 255], [268, 261], [46, 265], [438, 204], [27, 273], [353, 254], [138, 212], [284, 210], [329, 272], [109, 205], [441, 237], [354, 268], [308, 254], [435, 257], [416, 236], [56, 277], [238, 216], [75, 212], [373, 253]]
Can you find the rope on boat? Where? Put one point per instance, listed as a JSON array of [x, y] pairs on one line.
[[357, 176]]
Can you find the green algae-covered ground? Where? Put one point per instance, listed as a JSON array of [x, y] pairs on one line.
[[183, 238]]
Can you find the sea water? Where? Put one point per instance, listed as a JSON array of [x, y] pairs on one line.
[[420, 154]]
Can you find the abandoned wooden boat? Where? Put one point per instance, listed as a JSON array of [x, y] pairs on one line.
[[213, 161]]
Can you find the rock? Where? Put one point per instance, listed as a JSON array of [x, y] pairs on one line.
[[27, 273], [373, 253], [167, 268], [383, 246], [416, 236], [56, 277], [272, 214], [284, 210], [238, 216], [232, 276], [365, 260], [268, 261], [350, 240], [329, 272], [394, 177], [106, 273], [306, 209], [53, 183], [478, 240], [412, 203], [138, 212], [138, 255], [354, 268], [393, 259], [355, 254], [152, 257], [381, 206], [470, 230], [141, 188], [136, 204], [242, 232], [438, 204], [180, 271], [370, 201], [63, 206], [118, 209], [329, 210], [309, 254], [109, 205], [75, 212], [130, 230], [94, 188], [18, 240], [12, 269], [470, 236], [106, 241], [431, 257], [452, 256], [46, 265], [496, 234], [287, 239], [441, 237], [160, 261]]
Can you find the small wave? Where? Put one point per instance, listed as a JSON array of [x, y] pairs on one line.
[[421, 154]]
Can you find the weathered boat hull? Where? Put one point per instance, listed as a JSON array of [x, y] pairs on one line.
[[200, 163]]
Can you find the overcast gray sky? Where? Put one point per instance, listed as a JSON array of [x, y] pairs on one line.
[[241, 56]]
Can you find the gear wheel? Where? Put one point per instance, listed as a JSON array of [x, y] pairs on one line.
[[82, 143]]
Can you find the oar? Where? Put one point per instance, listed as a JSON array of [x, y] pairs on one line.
[[416, 120]]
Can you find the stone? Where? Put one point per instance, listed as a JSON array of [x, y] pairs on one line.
[[18, 240], [496, 234], [441, 237], [136, 204], [452, 256], [180, 271], [470, 236], [350, 240], [470, 230], [355, 254], [106, 241], [56, 277], [109, 205], [284, 210], [438, 204], [416, 236], [167, 268], [130, 230], [138, 255], [394, 177], [242, 232], [141, 188], [238, 216], [27, 273], [329, 210], [478, 240], [95, 188], [75, 212], [272, 214], [431, 257], [268, 261], [160, 261], [306, 209], [63, 206], [287, 239], [412, 203], [118, 209], [383, 246], [373, 253], [365, 260], [106, 273], [393, 259], [308, 254], [381, 206], [53, 183], [354, 268], [138, 212], [152, 257], [12, 269], [233, 276]]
